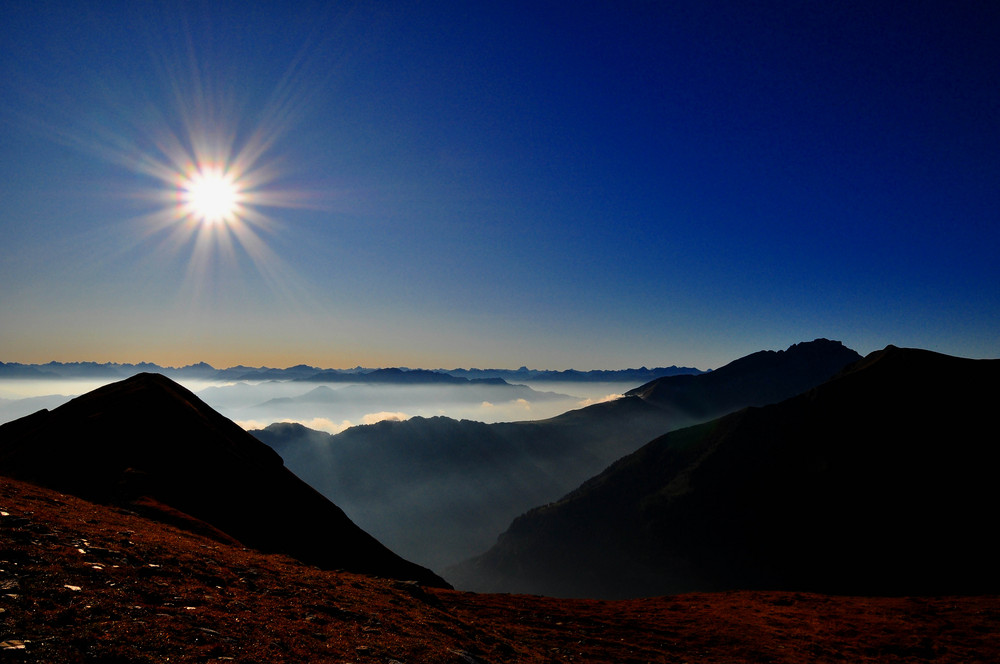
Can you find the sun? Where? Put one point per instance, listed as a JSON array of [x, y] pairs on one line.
[[210, 195]]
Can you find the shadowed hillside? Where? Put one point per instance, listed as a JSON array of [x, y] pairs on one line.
[[150, 444], [439, 490], [880, 481], [757, 379], [88, 583]]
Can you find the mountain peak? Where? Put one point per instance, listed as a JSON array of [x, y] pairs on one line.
[[764, 377], [147, 438], [911, 361]]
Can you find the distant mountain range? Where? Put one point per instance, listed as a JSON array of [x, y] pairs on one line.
[[149, 445], [446, 391], [875, 478], [202, 371], [881, 481], [640, 375], [439, 490]]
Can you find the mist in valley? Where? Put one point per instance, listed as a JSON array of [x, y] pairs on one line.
[[334, 407], [438, 490], [433, 471]]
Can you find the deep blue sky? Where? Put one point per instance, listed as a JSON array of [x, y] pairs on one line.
[[588, 185]]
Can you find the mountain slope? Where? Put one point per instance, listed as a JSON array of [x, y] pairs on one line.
[[757, 379], [89, 583], [439, 490], [149, 443], [880, 481]]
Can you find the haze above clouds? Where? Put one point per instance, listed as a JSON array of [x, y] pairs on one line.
[[254, 405]]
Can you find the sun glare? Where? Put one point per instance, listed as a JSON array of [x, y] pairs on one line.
[[213, 189], [211, 195]]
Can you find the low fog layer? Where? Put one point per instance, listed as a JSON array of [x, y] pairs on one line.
[[334, 407]]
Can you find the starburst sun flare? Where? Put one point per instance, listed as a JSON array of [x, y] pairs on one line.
[[211, 195], [207, 184]]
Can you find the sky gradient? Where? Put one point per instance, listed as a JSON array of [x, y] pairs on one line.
[[586, 185]]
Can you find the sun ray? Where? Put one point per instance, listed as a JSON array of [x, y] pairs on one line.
[[212, 193]]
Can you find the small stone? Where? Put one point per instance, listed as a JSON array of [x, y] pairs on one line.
[[467, 657]]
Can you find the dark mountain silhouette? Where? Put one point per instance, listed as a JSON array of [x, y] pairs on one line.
[[881, 481], [150, 444], [439, 490], [757, 379]]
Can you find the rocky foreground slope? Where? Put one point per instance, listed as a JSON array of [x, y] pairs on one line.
[[81, 582]]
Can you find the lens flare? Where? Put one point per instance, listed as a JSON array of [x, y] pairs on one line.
[[211, 195], [218, 188]]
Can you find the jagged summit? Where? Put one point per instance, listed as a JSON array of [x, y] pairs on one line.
[[148, 441], [757, 379]]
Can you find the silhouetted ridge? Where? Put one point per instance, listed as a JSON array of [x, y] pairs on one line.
[[757, 379], [439, 491], [880, 481], [147, 441]]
